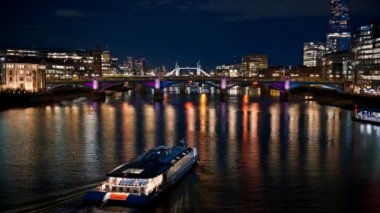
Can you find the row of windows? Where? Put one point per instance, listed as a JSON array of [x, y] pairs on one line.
[[20, 66], [59, 76], [21, 72], [27, 79], [57, 72]]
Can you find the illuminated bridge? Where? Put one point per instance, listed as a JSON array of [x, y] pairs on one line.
[[219, 82], [186, 76]]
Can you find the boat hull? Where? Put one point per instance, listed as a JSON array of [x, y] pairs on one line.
[[96, 197]]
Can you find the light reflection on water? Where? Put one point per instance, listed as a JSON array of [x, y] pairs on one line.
[[260, 154]]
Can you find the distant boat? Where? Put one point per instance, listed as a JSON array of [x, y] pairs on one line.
[[144, 178], [369, 115]]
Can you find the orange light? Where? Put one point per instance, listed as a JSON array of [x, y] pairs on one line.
[[203, 98], [115, 196], [245, 99]]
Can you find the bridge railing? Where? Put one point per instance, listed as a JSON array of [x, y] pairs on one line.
[[121, 77]]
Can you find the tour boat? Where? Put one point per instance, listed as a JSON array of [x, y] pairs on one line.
[[145, 177], [368, 115]]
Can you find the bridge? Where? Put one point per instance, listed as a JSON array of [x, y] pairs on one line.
[[177, 70], [106, 83], [179, 76]]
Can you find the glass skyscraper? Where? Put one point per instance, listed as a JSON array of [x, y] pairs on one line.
[[339, 36]]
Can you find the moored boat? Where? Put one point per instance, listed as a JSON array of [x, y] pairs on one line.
[[369, 115], [147, 176]]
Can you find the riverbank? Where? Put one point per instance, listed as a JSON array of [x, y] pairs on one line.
[[338, 99], [14, 100]]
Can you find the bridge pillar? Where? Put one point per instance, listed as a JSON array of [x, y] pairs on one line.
[[141, 89], [182, 88], [264, 91], [223, 89], [158, 95], [284, 95], [95, 84], [97, 95]]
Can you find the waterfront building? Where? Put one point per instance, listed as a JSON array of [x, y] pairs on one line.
[[2, 71], [252, 64], [298, 73], [108, 63], [339, 36], [64, 64], [232, 70], [77, 64], [139, 66], [23, 52], [134, 66], [338, 66], [313, 53], [22, 73], [366, 50]]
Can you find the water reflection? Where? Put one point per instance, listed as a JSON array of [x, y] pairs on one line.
[[253, 154]]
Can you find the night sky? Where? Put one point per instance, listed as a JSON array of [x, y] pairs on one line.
[[166, 31]]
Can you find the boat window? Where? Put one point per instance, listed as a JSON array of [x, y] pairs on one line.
[[153, 155]]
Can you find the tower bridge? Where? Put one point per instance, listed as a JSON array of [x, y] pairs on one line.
[[177, 70]]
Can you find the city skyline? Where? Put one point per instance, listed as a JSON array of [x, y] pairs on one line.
[[210, 31]]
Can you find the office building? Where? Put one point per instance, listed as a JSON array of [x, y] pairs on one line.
[[313, 53], [232, 70], [366, 50], [109, 64], [339, 36], [63, 64], [252, 64], [338, 66]]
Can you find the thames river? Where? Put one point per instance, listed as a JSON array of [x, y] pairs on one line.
[[256, 154]]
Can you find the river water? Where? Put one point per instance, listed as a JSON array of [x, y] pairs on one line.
[[256, 154]]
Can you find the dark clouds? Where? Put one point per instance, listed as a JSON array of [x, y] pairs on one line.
[[71, 13], [259, 9]]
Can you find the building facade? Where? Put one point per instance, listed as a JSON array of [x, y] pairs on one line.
[[313, 53], [339, 36], [366, 50], [338, 66], [232, 70], [134, 66], [64, 64], [24, 74], [251, 65]]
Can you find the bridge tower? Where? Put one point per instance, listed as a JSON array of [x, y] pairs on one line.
[[199, 68], [177, 70]]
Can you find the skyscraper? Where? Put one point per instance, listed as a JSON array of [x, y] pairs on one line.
[[339, 36]]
